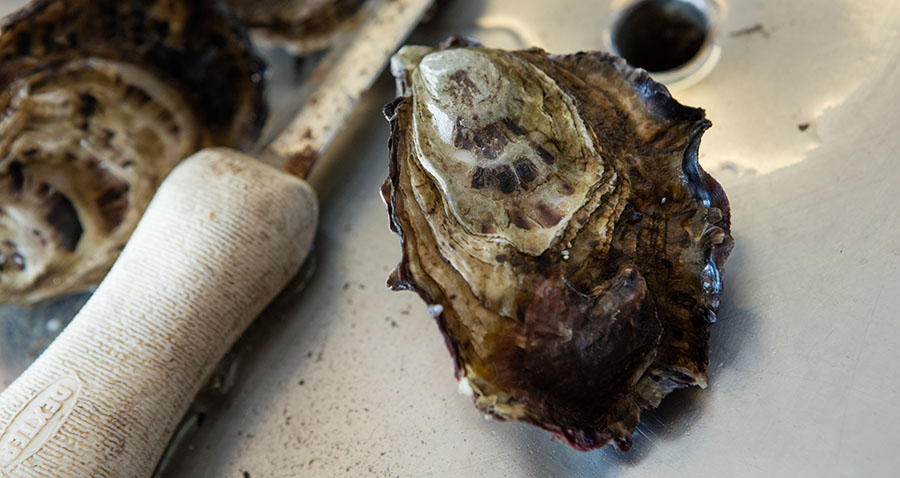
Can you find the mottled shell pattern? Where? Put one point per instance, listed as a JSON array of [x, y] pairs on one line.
[[100, 100], [553, 215]]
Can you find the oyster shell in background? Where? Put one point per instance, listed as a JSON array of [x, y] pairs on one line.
[[302, 26], [553, 214], [100, 100]]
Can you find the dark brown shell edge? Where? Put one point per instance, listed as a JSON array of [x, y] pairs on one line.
[[657, 381], [199, 45], [313, 31]]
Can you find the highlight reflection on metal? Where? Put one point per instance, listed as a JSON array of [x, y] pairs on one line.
[[350, 380]]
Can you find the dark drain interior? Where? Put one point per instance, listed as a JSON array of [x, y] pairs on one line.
[[660, 35]]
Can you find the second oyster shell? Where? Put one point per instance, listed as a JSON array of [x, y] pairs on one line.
[[100, 100], [303, 26]]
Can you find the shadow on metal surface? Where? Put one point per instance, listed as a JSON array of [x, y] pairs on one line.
[[734, 335]]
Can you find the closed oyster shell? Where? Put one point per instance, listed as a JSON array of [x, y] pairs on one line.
[[553, 214], [100, 100]]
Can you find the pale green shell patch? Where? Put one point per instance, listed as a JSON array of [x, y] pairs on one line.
[[504, 144]]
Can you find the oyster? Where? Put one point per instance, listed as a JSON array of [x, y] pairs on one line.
[[553, 214], [100, 100], [301, 25]]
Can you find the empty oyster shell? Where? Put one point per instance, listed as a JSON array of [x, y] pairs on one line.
[[553, 215], [301, 25], [100, 100]]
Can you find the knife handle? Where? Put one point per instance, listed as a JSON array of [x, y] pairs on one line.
[[221, 238]]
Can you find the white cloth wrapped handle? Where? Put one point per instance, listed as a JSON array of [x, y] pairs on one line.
[[222, 236]]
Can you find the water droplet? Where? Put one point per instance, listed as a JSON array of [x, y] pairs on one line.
[[53, 325]]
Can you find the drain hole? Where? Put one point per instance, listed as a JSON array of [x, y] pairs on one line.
[[660, 35]]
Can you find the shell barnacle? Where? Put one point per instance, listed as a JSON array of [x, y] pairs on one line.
[[553, 214]]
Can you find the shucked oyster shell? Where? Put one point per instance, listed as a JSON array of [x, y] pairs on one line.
[[553, 215], [301, 25], [100, 99]]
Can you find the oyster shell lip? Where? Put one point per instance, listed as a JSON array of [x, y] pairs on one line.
[[657, 375], [401, 278]]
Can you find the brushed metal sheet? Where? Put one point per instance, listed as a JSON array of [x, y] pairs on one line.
[[354, 380], [348, 379]]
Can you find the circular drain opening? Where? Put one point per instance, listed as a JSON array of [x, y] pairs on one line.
[[661, 35]]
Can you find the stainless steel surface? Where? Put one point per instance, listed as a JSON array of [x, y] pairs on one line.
[[348, 379]]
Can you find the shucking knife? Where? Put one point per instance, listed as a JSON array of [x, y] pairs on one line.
[[223, 235]]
